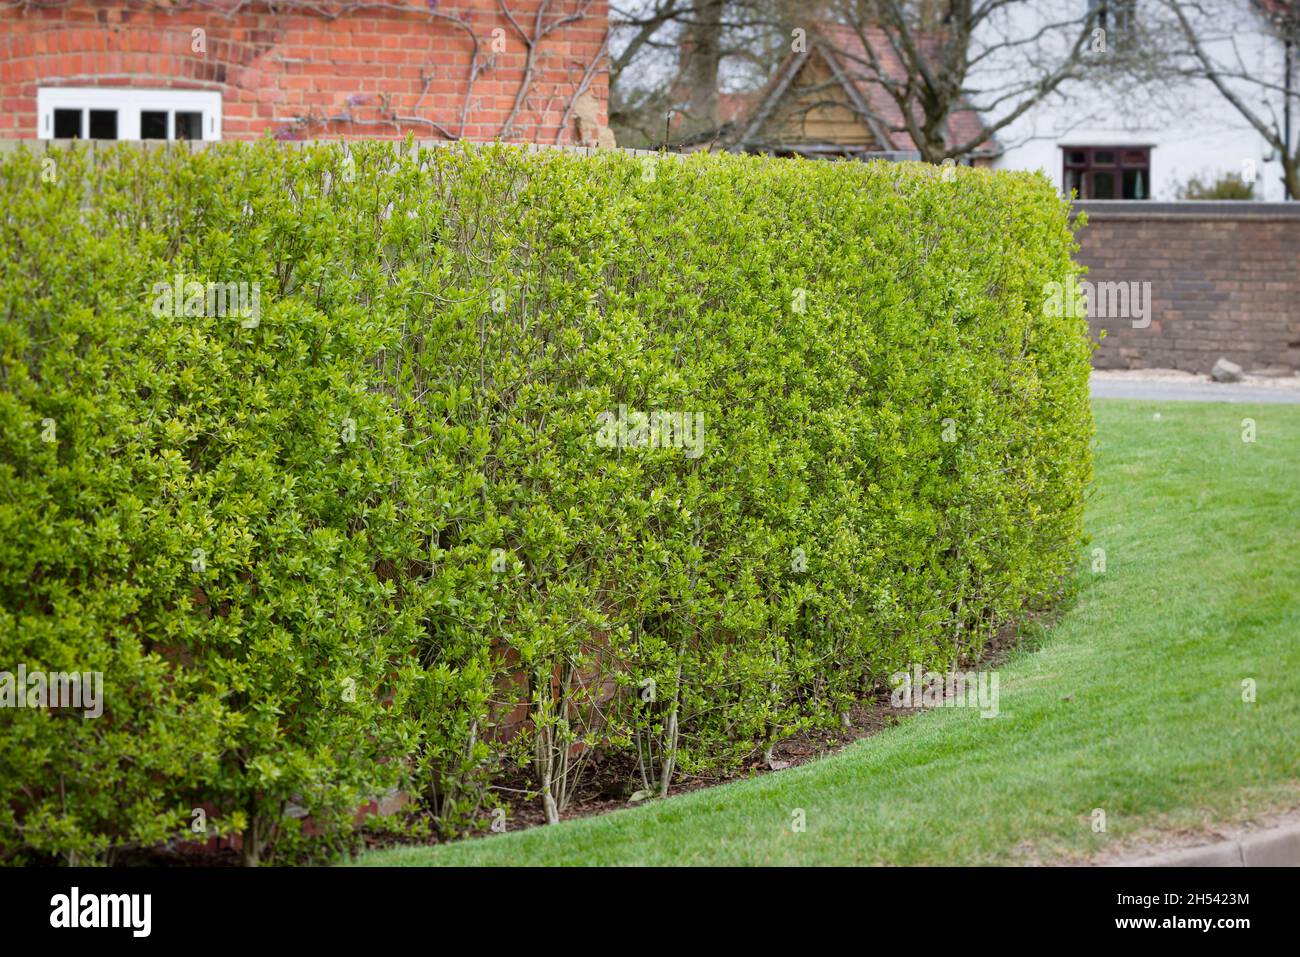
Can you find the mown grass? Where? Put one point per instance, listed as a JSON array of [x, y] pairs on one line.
[[1131, 703]]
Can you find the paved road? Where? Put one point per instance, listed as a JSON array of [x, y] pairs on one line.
[[1191, 392]]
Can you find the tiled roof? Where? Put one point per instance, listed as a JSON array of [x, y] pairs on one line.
[[845, 48]]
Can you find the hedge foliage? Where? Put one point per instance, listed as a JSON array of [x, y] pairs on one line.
[[386, 530]]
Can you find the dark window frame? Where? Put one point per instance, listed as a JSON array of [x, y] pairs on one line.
[[1114, 161]]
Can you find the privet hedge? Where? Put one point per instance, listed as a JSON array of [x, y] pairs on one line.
[[503, 464]]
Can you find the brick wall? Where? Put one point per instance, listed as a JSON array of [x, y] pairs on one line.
[[1224, 281], [299, 73]]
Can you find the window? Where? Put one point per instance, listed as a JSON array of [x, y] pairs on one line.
[[1117, 20], [67, 124], [153, 124], [1108, 172], [1114, 15], [188, 126], [103, 124], [123, 113]]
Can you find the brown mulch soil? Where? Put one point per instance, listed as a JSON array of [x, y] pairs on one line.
[[606, 780]]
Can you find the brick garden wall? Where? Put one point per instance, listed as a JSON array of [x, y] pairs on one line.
[[1225, 281], [303, 70]]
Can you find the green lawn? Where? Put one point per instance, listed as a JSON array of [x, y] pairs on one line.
[[1132, 703]]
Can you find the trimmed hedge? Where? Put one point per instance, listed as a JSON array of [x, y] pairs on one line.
[[400, 524]]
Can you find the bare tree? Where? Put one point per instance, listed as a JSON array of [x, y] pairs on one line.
[[934, 59], [671, 56], [1216, 48]]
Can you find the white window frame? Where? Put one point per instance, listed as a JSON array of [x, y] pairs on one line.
[[129, 102]]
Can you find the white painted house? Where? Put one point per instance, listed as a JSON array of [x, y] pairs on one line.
[[1121, 140]]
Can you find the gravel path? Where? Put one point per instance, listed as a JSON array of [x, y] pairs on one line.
[[1167, 385]]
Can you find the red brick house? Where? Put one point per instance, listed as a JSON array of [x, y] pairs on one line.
[[514, 70]]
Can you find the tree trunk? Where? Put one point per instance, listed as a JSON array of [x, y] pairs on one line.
[[250, 852], [703, 57]]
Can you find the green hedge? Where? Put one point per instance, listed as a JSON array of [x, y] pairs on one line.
[[385, 530]]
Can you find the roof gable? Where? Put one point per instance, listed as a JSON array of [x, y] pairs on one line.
[[810, 102], [825, 96]]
